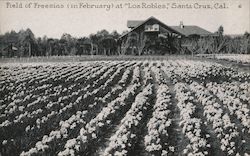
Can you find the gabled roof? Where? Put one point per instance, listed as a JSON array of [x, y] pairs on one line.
[[11, 47], [150, 18], [191, 30], [187, 30], [133, 23]]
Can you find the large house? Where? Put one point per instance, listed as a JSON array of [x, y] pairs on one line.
[[152, 28]]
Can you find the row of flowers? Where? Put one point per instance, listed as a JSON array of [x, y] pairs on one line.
[[69, 124], [169, 71], [159, 123], [94, 128], [47, 141], [24, 111], [65, 108], [57, 92], [225, 130], [125, 136], [190, 71], [159, 74], [235, 58], [232, 102], [63, 100], [119, 87], [27, 96], [24, 79], [125, 77], [80, 70], [81, 97], [191, 125]]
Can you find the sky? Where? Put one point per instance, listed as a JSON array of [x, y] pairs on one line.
[[81, 22]]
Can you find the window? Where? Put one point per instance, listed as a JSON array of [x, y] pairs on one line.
[[154, 27]]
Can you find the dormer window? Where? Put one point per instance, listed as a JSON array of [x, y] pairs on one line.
[[152, 28]]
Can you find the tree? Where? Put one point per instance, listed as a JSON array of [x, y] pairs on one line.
[[106, 43], [220, 30], [80, 45], [246, 34], [103, 33], [44, 45], [68, 43], [51, 43], [217, 44], [131, 44], [27, 40], [39, 46], [94, 38], [115, 35], [246, 43], [109, 45]]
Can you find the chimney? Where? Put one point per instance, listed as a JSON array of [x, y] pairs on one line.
[[181, 24]]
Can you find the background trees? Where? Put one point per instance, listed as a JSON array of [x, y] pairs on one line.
[[27, 40], [130, 46], [25, 44], [100, 43], [218, 43]]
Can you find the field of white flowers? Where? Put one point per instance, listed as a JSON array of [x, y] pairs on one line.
[[236, 58], [239, 58], [135, 108]]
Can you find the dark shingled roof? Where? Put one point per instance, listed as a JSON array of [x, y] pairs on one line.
[[186, 30], [133, 23], [139, 23], [191, 30]]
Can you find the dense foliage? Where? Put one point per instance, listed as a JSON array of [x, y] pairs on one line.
[[25, 44]]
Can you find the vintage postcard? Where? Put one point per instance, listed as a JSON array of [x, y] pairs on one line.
[[125, 77]]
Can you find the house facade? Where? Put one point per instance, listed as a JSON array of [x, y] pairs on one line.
[[147, 32]]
